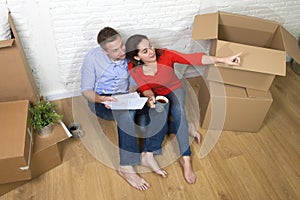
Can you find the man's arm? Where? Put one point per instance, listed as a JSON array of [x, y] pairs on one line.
[[92, 96]]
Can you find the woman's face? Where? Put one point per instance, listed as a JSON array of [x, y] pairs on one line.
[[146, 52]]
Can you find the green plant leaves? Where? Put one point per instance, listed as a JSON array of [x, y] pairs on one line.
[[43, 114]]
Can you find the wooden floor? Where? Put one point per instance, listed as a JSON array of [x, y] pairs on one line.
[[242, 166]]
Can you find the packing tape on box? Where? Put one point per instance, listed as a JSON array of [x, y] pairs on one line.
[[30, 149], [65, 129]]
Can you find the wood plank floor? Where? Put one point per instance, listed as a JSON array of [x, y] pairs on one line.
[[255, 166]]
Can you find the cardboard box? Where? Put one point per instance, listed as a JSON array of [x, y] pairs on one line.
[[46, 155], [194, 83], [227, 107], [247, 79], [16, 79], [264, 45], [16, 141], [17, 164]]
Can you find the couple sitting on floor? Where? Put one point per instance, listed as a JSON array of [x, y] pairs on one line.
[[115, 68]]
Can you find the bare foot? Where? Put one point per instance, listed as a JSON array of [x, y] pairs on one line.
[[194, 133], [130, 175], [148, 160], [188, 172]]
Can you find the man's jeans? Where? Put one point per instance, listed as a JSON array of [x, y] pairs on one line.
[[128, 121]]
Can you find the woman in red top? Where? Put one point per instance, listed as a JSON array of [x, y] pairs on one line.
[[153, 71]]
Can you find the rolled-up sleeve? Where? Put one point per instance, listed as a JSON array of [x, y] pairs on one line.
[[87, 74]]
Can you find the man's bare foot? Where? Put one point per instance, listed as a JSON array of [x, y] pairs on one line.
[[148, 160], [194, 133], [188, 172], [130, 175]]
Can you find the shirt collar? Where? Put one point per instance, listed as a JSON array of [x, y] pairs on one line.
[[121, 63]]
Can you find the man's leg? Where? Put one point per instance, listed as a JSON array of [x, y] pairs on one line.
[[128, 148], [101, 111], [127, 143], [129, 151]]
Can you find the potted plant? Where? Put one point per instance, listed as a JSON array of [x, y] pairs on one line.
[[43, 116]]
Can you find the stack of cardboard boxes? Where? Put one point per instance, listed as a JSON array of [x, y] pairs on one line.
[[238, 98], [23, 154]]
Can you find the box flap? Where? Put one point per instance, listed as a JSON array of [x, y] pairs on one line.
[[13, 118], [6, 43], [249, 22], [241, 78], [222, 90], [258, 94], [290, 44], [253, 58], [205, 27], [57, 135]]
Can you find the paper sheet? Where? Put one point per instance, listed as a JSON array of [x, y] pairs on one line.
[[130, 101]]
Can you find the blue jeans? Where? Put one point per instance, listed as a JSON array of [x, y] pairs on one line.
[[128, 121], [179, 125]]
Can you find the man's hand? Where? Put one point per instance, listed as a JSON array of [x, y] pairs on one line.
[[107, 98], [133, 89]]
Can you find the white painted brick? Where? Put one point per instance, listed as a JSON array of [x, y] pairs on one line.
[[74, 25]]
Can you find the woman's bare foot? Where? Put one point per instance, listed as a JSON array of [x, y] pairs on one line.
[[130, 175], [188, 172], [194, 133], [148, 160]]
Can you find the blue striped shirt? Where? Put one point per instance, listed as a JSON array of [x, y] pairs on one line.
[[100, 74]]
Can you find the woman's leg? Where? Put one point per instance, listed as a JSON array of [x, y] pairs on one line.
[[177, 109], [191, 129], [180, 126], [142, 119], [156, 130], [155, 133]]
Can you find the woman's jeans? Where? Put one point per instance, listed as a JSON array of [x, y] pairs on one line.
[[179, 125], [128, 121]]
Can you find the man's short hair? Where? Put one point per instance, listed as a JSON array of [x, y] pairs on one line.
[[107, 35]]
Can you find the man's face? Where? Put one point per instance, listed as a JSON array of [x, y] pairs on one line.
[[115, 49]]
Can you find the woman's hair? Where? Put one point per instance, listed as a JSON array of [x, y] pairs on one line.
[[106, 35], [132, 50]]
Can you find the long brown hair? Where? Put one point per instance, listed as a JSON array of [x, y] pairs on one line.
[[132, 50]]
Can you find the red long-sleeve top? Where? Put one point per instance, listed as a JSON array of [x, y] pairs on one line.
[[165, 80]]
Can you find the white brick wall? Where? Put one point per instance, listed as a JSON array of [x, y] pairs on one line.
[[56, 34]]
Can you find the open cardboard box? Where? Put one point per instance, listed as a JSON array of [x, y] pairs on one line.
[[46, 155], [263, 43], [227, 107], [16, 79]]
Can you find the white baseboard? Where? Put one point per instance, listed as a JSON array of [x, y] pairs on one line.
[[62, 95]]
